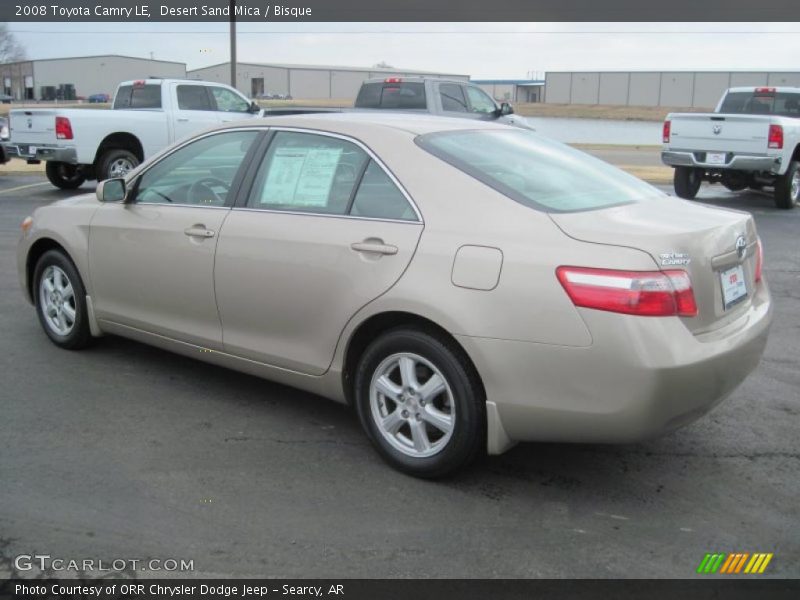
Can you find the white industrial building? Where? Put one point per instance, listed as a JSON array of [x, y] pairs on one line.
[[701, 89], [513, 90], [303, 81], [68, 78]]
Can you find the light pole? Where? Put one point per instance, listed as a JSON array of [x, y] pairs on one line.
[[232, 7]]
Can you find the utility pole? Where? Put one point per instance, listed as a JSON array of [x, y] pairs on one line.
[[232, 7]]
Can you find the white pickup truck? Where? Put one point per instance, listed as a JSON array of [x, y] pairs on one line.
[[751, 140], [147, 115]]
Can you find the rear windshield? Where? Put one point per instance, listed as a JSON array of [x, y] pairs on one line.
[[535, 171], [138, 96], [402, 95], [782, 104]]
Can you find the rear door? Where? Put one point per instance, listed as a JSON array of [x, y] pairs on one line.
[[324, 230]]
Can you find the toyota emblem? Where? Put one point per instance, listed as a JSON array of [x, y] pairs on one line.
[[741, 246]]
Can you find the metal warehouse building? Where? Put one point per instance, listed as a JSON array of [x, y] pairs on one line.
[[68, 78], [512, 90], [701, 89], [302, 81]]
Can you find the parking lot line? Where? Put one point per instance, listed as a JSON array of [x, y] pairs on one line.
[[22, 187]]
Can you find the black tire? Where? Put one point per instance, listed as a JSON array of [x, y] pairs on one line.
[[687, 182], [64, 175], [112, 163], [786, 194], [468, 434], [79, 336]]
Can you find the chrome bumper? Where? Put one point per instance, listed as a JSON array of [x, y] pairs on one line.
[[737, 162], [33, 152]]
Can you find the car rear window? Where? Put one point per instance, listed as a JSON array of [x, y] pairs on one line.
[[535, 171], [399, 95], [782, 104], [138, 96]]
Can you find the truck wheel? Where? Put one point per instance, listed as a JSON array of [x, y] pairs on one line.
[[787, 187], [687, 182], [117, 163], [64, 175]]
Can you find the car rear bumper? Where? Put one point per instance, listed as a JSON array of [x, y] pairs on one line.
[[736, 162], [640, 378], [35, 152]]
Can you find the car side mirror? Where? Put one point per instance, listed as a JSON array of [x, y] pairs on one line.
[[111, 190], [506, 109], [254, 107]]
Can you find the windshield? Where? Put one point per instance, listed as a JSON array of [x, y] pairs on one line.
[[782, 104], [536, 171]]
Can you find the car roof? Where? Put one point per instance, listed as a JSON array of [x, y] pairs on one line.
[[348, 122]]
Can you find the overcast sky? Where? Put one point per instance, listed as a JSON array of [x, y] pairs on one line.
[[482, 50]]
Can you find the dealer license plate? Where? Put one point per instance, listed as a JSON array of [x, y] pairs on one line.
[[715, 158], [734, 289]]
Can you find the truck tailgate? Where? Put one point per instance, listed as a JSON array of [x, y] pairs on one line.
[[742, 134], [35, 126]]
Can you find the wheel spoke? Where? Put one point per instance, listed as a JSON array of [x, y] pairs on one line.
[[420, 436], [432, 388], [408, 373], [442, 421], [388, 388], [392, 422], [67, 292], [69, 312], [48, 284], [58, 279], [62, 322]]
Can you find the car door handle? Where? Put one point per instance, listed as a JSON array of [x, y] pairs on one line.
[[199, 231], [376, 247]]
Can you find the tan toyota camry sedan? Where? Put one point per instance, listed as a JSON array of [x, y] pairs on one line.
[[464, 285]]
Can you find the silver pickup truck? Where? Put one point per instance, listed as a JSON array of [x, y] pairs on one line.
[[751, 140]]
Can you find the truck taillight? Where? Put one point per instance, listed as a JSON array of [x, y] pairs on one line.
[[393, 80], [667, 131], [63, 128], [643, 293], [765, 90], [775, 139], [759, 259]]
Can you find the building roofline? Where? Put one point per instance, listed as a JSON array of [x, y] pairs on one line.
[[34, 60], [531, 82], [720, 71], [329, 68]]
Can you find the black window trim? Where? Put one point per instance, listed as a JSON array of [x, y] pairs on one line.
[[491, 182], [242, 199]]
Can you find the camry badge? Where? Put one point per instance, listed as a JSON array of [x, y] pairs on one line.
[[672, 259], [741, 246]]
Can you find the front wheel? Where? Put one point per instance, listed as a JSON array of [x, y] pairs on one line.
[[787, 187], [64, 175], [420, 403], [687, 182], [60, 300]]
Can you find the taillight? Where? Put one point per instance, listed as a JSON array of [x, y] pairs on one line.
[[393, 80], [775, 139], [765, 90], [642, 293], [63, 128], [666, 132], [759, 259]]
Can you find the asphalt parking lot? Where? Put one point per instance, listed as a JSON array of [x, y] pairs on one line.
[[125, 451]]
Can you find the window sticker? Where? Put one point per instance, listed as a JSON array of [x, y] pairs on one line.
[[301, 176]]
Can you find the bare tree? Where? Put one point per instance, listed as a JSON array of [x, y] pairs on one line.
[[10, 49]]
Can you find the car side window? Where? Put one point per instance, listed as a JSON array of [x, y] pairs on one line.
[[227, 101], [306, 172], [193, 97], [480, 102], [378, 197], [452, 97], [200, 173]]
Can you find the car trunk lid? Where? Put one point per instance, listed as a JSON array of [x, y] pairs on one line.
[[681, 235]]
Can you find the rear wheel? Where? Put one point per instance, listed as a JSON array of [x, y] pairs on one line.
[[687, 182], [117, 163], [64, 175], [60, 300], [787, 187], [420, 403]]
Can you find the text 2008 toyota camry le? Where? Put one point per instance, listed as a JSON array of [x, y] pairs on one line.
[[464, 285]]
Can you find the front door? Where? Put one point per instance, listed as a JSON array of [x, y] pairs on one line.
[[151, 260], [195, 109], [325, 230]]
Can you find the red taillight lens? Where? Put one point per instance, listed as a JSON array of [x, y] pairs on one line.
[[775, 139], [63, 128], [393, 80], [759, 260], [667, 131], [642, 293]]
